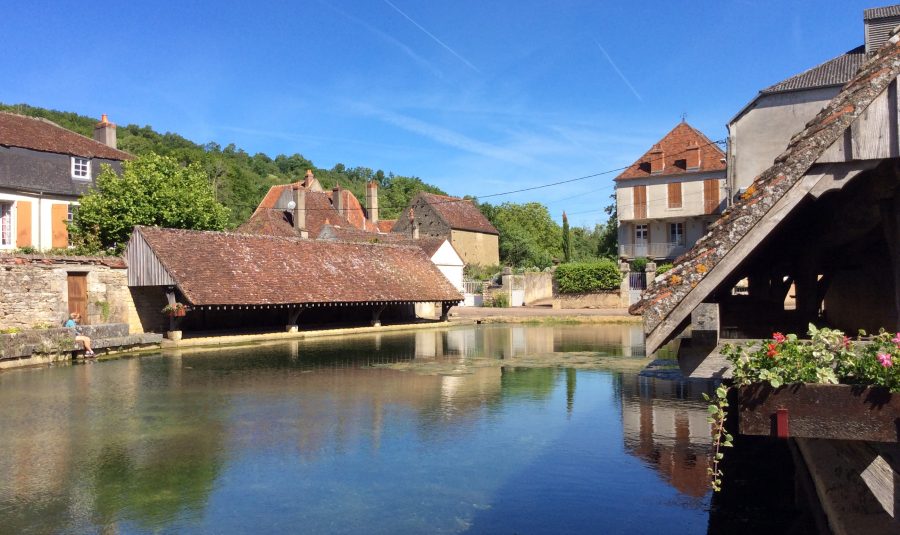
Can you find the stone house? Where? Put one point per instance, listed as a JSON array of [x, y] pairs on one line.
[[762, 129], [666, 199], [44, 169], [457, 220]]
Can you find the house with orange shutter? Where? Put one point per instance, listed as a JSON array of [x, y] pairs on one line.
[[44, 169], [668, 197]]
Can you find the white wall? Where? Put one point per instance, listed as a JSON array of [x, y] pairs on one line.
[[658, 195], [450, 263], [762, 131], [41, 218]]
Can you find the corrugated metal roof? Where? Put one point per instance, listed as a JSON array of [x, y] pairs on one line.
[[836, 71], [880, 12]]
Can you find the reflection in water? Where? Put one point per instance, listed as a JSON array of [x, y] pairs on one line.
[[307, 433]]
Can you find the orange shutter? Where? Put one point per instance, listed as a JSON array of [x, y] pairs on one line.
[[23, 223], [710, 196], [640, 202], [59, 214], [674, 194]]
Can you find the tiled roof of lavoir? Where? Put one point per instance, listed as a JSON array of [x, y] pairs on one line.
[[222, 268], [836, 71], [674, 144], [460, 214], [46, 136], [660, 303]]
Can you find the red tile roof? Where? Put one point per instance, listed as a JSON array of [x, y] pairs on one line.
[[427, 244], [459, 214], [222, 268], [674, 144], [46, 136], [386, 225], [320, 211]]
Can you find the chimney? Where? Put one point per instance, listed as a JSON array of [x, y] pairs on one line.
[[372, 201], [105, 132], [413, 224], [300, 210], [337, 199], [657, 160], [692, 156]]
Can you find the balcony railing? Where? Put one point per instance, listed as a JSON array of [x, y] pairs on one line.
[[652, 250]]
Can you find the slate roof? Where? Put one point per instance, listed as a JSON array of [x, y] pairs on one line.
[[46, 136], [223, 268], [663, 296], [881, 12], [674, 144], [459, 214], [834, 72]]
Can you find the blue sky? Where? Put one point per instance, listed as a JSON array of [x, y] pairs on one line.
[[476, 97]]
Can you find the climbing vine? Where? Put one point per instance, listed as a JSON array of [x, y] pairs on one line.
[[718, 414]]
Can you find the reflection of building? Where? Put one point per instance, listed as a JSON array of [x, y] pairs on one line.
[[664, 429]]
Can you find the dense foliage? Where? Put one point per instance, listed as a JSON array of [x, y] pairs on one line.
[[239, 180], [566, 243], [662, 268], [151, 190], [581, 277]]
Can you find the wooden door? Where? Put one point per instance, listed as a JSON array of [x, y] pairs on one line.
[[710, 196], [78, 298], [640, 202]]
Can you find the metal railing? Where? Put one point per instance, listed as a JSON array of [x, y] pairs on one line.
[[652, 250]]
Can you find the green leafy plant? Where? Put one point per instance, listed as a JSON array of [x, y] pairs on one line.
[[639, 263], [583, 277], [718, 414], [662, 268], [500, 300], [178, 309]]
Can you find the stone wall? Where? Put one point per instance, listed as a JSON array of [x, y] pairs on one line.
[[607, 299], [538, 286], [35, 291], [476, 247]]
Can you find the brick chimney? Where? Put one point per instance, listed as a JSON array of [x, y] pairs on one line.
[[657, 160], [300, 210], [337, 199], [372, 201], [105, 132], [692, 156], [413, 224]]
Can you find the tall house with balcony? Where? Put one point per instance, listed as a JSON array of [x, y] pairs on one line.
[[667, 198], [44, 169]]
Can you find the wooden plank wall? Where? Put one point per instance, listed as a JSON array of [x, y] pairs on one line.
[[873, 135], [144, 268]]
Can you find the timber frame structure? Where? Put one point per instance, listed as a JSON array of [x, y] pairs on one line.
[[824, 218]]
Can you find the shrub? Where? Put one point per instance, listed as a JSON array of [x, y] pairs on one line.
[[662, 268], [478, 272], [639, 263], [582, 277], [500, 300]]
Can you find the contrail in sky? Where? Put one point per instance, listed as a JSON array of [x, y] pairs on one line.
[[615, 68], [436, 40]]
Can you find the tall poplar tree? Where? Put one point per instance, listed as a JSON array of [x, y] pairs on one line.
[[566, 243]]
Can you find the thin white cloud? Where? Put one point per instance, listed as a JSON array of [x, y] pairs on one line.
[[432, 36], [616, 68]]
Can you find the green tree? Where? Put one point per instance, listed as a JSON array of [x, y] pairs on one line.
[[152, 190], [399, 190], [608, 245], [528, 235], [566, 244]]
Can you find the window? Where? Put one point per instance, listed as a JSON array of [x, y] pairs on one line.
[[640, 234], [70, 216], [6, 234], [81, 168], [674, 194], [676, 233]]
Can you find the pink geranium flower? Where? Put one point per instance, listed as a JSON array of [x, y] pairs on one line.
[[779, 338], [885, 360], [896, 340], [846, 342]]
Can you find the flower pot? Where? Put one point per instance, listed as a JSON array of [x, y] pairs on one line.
[[173, 335], [806, 410], [180, 313]]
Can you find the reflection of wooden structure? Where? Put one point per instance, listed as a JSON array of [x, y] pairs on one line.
[[824, 218]]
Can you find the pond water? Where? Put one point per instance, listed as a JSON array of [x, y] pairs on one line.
[[469, 429]]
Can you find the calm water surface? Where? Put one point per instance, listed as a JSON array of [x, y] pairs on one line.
[[322, 437]]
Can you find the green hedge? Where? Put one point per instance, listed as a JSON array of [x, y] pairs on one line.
[[581, 277]]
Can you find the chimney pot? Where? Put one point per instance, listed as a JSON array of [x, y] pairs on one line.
[[105, 132]]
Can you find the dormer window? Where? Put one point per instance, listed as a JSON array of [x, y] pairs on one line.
[[81, 168]]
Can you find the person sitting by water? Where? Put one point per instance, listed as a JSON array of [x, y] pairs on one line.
[[73, 323]]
